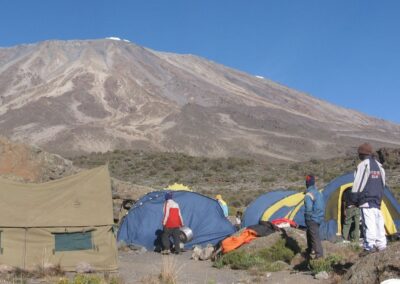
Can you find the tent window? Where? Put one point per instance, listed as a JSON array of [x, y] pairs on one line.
[[73, 241]]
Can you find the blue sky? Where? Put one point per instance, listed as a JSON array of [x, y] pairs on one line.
[[344, 51]]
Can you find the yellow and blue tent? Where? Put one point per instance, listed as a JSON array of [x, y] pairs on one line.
[[333, 208], [289, 204], [257, 208]]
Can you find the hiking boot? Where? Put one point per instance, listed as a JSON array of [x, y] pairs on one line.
[[165, 252]]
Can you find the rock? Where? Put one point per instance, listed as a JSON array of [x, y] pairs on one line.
[[202, 253], [323, 275], [261, 243], [391, 281], [375, 267], [4, 268], [295, 240], [297, 260], [25, 163]]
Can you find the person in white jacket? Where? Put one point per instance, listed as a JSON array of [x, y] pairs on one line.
[[369, 185]]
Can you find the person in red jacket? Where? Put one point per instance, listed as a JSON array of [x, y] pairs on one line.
[[172, 222]]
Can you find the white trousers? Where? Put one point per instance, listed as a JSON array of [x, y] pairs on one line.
[[374, 229]]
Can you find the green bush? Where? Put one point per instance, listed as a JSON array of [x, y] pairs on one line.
[[262, 260], [238, 260], [324, 264], [274, 266], [278, 251]]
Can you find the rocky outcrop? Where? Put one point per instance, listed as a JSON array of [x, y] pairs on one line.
[[376, 267], [31, 164]]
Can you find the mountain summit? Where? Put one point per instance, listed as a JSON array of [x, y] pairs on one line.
[[72, 97]]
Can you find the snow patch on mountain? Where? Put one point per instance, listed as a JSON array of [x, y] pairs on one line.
[[117, 38]]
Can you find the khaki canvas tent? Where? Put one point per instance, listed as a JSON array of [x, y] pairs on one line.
[[66, 222]]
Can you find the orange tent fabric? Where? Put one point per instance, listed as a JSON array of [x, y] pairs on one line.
[[232, 243]]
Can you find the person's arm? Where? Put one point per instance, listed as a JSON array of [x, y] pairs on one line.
[[180, 216], [383, 175], [308, 204], [166, 212], [360, 177]]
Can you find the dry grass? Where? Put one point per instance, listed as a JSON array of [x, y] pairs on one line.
[[150, 279], [169, 274], [170, 270]]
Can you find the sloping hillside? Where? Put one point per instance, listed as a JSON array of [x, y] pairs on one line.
[[74, 97]]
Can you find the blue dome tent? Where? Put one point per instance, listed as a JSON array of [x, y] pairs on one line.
[[290, 205], [202, 214]]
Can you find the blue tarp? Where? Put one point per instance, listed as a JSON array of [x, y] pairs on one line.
[[203, 215], [256, 209]]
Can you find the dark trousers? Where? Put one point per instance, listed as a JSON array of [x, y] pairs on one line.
[[167, 233], [352, 216], [313, 239]]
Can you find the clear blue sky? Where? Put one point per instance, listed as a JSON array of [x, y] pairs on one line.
[[343, 51]]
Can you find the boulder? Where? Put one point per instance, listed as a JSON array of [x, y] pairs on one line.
[[323, 275], [375, 267]]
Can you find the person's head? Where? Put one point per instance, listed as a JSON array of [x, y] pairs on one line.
[[218, 197], [310, 180], [168, 195], [239, 213], [364, 150]]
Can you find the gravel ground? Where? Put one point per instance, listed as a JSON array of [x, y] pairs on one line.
[[142, 267]]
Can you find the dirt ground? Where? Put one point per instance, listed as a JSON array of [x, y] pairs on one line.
[[141, 267]]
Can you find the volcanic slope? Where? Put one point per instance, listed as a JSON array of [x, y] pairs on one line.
[[72, 97]]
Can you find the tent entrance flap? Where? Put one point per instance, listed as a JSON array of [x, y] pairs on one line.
[[390, 226], [339, 207]]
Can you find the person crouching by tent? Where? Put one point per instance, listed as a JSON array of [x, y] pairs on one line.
[[223, 204], [369, 185], [172, 222], [313, 215]]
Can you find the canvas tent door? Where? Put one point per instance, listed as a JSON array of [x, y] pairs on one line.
[[143, 224], [63, 222]]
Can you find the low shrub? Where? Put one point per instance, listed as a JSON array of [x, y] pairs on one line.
[[324, 264], [268, 259], [279, 251], [91, 279], [238, 260]]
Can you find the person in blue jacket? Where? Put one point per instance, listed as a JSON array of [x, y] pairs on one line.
[[313, 215]]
